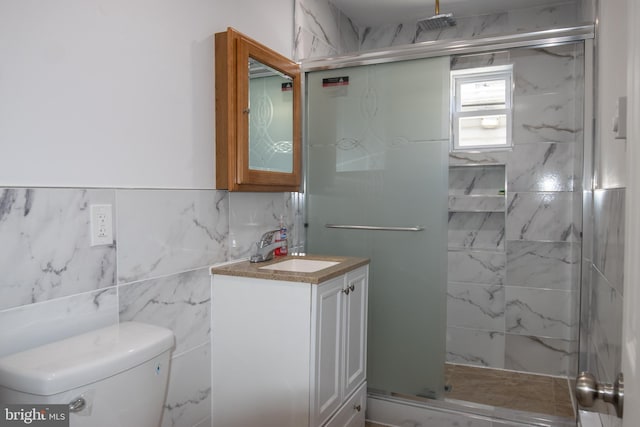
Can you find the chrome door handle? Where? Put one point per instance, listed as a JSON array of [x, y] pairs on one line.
[[588, 390]]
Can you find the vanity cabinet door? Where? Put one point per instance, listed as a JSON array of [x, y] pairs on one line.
[[355, 360], [340, 346], [327, 336]]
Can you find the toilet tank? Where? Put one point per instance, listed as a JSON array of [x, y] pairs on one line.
[[119, 372]]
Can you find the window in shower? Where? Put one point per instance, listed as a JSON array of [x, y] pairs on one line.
[[482, 108]]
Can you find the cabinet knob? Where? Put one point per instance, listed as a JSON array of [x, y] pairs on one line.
[[349, 289], [358, 408]]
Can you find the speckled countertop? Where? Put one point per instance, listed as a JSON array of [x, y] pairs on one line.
[[247, 269]]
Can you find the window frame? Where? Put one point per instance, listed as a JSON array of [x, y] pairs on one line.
[[474, 75]]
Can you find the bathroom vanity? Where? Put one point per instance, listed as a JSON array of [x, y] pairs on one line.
[[289, 343]]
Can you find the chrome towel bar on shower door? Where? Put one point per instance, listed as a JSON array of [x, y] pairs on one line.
[[373, 227]]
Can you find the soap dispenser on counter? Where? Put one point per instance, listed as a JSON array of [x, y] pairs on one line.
[[284, 250]]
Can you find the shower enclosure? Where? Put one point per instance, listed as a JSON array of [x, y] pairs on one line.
[[475, 255]]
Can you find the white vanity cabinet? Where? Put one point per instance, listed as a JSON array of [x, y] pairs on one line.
[[339, 308], [289, 353]]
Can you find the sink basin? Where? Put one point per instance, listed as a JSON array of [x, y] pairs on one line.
[[300, 265]]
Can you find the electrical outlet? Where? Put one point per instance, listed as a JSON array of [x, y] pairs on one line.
[[101, 225]]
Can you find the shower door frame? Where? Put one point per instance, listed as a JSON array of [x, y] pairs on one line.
[[536, 39]]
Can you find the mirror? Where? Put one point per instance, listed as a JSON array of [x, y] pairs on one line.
[[258, 130], [270, 119]]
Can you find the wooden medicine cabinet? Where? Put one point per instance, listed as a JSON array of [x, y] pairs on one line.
[[258, 119]]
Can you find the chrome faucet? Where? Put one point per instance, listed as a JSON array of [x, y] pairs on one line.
[[266, 245]]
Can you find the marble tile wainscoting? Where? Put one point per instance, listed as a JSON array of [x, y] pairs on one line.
[[54, 284], [513, 293]]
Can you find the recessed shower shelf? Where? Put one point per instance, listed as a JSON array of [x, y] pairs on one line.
[[475, 165], [476, 203], [497, 251]]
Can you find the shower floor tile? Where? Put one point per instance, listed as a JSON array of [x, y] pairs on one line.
[[508, 389]]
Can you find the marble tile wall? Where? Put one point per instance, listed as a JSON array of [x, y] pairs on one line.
[[604, 286], [322, 30], [56, 285], [508, 21], [513, 293]]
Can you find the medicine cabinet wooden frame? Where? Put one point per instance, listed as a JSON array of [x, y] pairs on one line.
[[232, 52]]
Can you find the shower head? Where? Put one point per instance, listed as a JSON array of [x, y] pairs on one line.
[[437, 21]]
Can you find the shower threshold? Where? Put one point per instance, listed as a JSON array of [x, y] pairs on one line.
[[482, 396], [519, 391]]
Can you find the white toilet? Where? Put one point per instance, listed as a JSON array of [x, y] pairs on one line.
[[111, 377]]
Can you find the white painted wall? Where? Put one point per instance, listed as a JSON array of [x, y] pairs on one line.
[[611, 84], [118, 93]]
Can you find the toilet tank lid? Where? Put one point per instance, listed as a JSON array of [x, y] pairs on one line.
[[83, 359]]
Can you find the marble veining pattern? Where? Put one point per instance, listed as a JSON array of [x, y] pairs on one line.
[[544, 216], [542, 167], [476, 231], [541, 312], [542, 355], [509, 21], [541, 264], [554, 16], [319, 17], [460, 158], [189, 396], [476, 306], [608, 248], [475, 347], [308, 45], [46, 250], [179, 302], [544, 118], [166, 231], [550, 70], [56, 319], [318, 30], [476, 267], [349, 34]]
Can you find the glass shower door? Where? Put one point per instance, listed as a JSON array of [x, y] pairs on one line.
[[377, 140]]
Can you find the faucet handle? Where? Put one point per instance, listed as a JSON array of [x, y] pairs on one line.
[[267, 238]]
